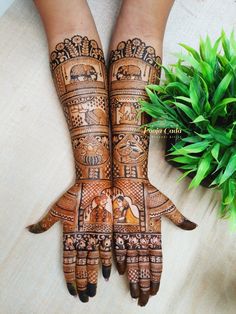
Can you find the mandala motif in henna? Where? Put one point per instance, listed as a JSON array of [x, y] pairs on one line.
[[85, 210], [137, 205]]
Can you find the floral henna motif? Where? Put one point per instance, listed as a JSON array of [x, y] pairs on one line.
[[85, 210], [137, 205]]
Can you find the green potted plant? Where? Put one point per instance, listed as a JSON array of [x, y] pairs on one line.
[[198, 97]]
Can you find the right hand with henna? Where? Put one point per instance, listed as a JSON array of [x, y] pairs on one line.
[[138, 209], [137, 205], [86, 215]]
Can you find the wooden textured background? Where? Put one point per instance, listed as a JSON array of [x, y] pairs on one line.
[[37, 166]]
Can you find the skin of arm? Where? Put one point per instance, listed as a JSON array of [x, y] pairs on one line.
[[135, 54], [85, 210]]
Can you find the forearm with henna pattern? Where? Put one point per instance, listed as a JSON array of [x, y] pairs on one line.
[[79, 75], [137, 205], [133, 66]]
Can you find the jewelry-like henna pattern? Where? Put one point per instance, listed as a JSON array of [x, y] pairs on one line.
[[137, 205], [85, 210]]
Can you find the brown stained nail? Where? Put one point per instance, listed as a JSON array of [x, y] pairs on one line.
[[187, 225], [134, 290], [91, 289], [143, 297], [121, 267], [36, 228], [71, 288], [83, 296], [106, 272], [154, 288]]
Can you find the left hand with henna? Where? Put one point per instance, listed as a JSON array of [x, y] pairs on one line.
[[85, 210]]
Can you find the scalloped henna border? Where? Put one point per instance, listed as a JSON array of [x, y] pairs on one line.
[[77, 46], [136, 48]]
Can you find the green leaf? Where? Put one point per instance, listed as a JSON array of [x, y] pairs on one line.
[[153, 111], [207, 105], [220, 135], [157, 88], [194, 94], [188, 111], [194, 53], [189, 60], [216, 46], [231, 191], [188, 100], [179, 87], [222, 87], [216, 180], [192, 148], [181, 75], [203, 167], [207, 72], [205, 136], [185, 160], [215, 151], [191, 139], [233, 41], [187, 167], [199, 119], [230, 169], [221, 108], [152, 96], [170, 76], [207, 52], [189, 71], [186, 173], [226, 45], [224, 160]]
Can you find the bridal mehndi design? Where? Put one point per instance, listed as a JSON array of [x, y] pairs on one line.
[[137, 205], [85, 210]]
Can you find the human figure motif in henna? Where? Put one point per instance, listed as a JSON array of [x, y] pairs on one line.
[[137, 205], [85, 210]]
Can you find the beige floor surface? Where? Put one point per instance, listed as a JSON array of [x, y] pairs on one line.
[[36, 167]]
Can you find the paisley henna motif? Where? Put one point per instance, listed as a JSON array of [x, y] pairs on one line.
[[137, 205], [85, 210]]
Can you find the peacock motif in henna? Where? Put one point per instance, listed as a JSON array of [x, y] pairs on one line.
[[85, 210], [137, 205]]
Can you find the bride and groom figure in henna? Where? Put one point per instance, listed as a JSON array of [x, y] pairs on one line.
[[86, 209]]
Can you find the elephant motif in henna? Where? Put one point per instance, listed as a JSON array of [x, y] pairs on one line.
[[128, 72], [83, 72]]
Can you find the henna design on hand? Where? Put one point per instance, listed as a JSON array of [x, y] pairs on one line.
[[85, 210], [137, 205]]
